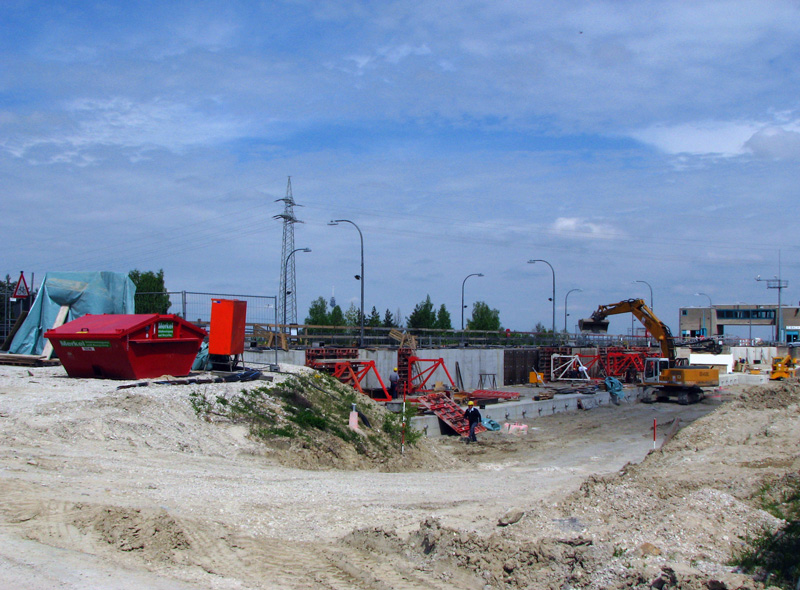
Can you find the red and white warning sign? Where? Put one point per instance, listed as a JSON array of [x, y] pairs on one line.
[[21, 291]]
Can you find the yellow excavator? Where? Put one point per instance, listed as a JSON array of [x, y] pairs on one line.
[[783, 368], [666, 377]]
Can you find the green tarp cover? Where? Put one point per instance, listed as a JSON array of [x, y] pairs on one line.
[[82, 292]]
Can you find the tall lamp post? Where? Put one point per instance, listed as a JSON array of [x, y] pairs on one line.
[[553, 299], [780, 285], [651, 292], [464, 282], [565, 307], [710, 306], [358, 277], [285, 292]]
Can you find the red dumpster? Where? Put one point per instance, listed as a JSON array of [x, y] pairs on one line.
[[131, 346]]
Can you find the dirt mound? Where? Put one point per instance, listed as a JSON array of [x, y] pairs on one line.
[[774, 396], [156, 535], [673, 521], [304, 421]]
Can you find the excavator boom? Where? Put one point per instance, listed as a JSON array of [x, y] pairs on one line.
[[664, 374], [660, 331]]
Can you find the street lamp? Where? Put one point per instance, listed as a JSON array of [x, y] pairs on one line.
[[358, 277], [710, 306], [780, 285], [553, 299], [464, 282], [651, 292], [285, 292], [565, 306]]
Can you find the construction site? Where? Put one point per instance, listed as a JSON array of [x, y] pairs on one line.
[[143, 450]]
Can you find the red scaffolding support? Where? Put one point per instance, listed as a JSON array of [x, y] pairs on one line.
[[344, 365]]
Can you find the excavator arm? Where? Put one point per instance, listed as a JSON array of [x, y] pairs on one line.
[[598, 323]]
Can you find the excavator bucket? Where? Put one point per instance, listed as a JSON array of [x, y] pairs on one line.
[[593, 326]]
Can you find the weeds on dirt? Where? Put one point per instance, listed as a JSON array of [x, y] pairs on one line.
[[393, 426], [302, 405], [775, 556]]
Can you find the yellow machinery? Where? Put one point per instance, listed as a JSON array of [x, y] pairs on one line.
[[783, 368], [535, 378], [667, 376]]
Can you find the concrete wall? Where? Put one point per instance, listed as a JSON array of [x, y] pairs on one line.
[[471, 361], [527, 409], [743, 379]]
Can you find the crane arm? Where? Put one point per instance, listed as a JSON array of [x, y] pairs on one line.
[[645, 315]]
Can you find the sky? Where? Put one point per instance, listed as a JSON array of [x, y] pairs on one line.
[[637, 147]]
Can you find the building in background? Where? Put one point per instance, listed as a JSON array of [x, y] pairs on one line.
[[712, 321]]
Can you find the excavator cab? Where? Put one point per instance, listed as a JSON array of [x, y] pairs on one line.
[[653, 368]]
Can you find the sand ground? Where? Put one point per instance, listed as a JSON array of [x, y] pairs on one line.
[[107, 488]]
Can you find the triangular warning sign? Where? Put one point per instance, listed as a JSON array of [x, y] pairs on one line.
[[21, 290]]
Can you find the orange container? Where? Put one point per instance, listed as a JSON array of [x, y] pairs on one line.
[[226, 332]]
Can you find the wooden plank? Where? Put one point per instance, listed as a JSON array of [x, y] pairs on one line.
[[47, 352], [672, 431], [26, 360]]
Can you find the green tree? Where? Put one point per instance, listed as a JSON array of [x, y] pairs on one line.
[[443, 319], [151, 294], [484, 318], [336, 317], [374, 319], [352, 317], [423, 315], [318, 313], [388, 320]]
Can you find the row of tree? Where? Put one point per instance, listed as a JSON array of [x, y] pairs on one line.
[[328, 313], [424, 316]]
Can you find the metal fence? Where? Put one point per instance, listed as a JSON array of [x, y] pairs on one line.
[[196, 307]]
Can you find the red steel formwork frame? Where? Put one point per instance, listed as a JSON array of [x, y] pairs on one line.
[[344, 365], [353, 373], [616, 362], [416, 378]]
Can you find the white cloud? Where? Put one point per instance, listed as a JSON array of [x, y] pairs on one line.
[[775, 143], [702, 138], [779, 140], [119, 122], [395, 54], [576, 227]]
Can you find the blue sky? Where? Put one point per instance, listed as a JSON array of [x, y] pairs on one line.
[[620, 141]]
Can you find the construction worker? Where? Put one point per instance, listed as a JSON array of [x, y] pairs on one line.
[[473, 416], [393, 379]]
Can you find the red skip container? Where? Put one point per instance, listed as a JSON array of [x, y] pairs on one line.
[[130, 346]]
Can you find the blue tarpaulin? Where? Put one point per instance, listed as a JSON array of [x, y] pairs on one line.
[[82, 293]]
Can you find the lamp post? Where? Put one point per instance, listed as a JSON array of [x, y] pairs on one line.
[[710, 306], [565, 306], [285, 292], [464, 282], [358, 277], [651, 292], [553, 299]]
